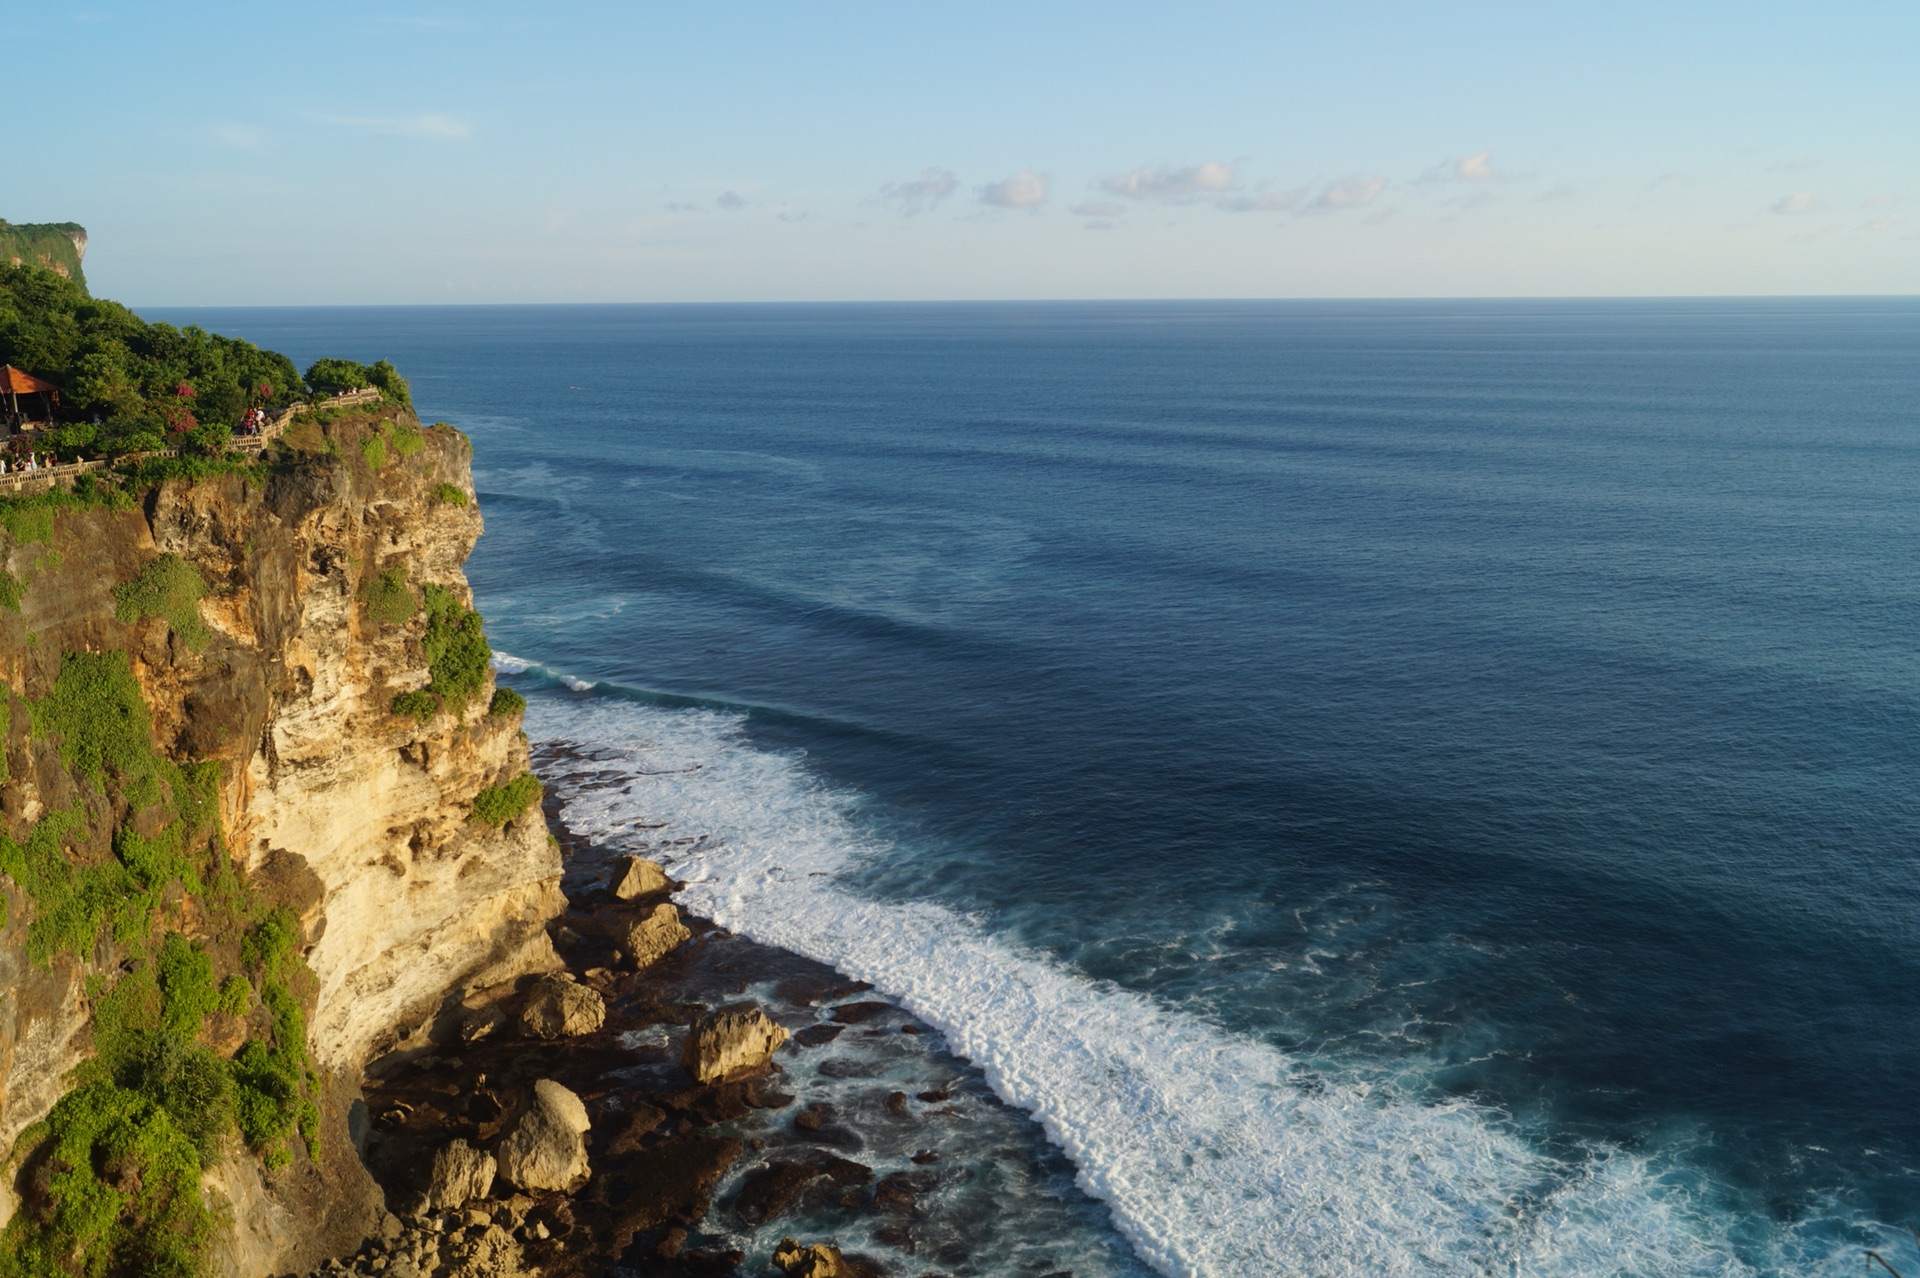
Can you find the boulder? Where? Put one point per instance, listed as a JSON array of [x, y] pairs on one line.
[[731, 1042], [636, 876], [560, 1007], [651, 937], [817, 1261], [547, 1148], [461, 1174]]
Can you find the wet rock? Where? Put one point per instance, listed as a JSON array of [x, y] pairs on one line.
[[636, 876], [731, 1042], [672, 1182], [547, 1148], [896, 1103], [925, 1156], [818, 1035], [937, 1097], [816, 1115], [641, 1119], [560, 1007], [769, 1190], [649, 939], [902, 1190], [461, 1174], [860, 1013], [816, 1261]]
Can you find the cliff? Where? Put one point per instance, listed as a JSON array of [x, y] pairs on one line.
[[57, 246], [262, 813]]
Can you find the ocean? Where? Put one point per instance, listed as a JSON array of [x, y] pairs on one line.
[[1389, 787]]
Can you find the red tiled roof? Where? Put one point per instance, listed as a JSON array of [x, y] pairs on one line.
[[12, 379]]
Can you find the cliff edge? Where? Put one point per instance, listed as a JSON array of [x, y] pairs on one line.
[[262, 813], [58, 246]]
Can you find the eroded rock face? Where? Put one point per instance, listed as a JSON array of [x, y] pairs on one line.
[[736, 1041], [547, 1148], [461, 1174], [635, 876], [650, 939], [560, 1007], [331, 803]]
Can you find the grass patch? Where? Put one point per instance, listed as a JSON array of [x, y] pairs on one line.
[[388, 598], [12, 591], [373, 450], [498, 804], [451, 494], [169, 588], [151, 472], [404, 438], [507, 701]]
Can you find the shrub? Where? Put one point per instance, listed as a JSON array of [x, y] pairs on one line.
[[374, 450], [236, 997], [388, 599], [209, 439], [456, 647], [387, 378], [419, 704], [12, 591], [451, 494], [507, 701], [169, 588], [498, 804], [269, 947], [331, 375]]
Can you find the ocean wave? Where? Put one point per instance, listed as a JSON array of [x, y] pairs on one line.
[[1216, 1154]]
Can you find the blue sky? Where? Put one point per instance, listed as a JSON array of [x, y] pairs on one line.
[[368, 152]]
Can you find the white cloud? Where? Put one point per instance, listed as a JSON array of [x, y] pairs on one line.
[[1098, 208], [1170, 183], [1100, 224], [730, 200], [1886, 223], [1884, 200], [1796, 166], [1561, 192], [1347, 193], [1024, 190], [1793, 205], [923, 193], [1477, 167], [430, 127]]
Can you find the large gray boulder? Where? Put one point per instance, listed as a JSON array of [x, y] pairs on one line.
[[649, 939], [547, 1148], [560, 1007], [461, 1174], [636, 876], [732, 1042]]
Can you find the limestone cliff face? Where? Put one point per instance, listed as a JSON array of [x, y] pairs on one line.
[[355, 817]]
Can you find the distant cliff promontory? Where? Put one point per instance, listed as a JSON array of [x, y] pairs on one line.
[[56, 246]]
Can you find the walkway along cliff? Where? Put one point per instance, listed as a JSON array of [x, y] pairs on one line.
[[261, 813]]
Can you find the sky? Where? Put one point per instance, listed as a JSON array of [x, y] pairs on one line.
[[360, 152]]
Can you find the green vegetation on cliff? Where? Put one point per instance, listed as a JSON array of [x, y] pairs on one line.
[[499, 804], [54, 246], [119, 1159]]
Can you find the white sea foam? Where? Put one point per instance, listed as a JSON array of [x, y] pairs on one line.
[[1214, 1153]]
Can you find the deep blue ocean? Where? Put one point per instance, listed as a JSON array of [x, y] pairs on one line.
[[1393, 787]]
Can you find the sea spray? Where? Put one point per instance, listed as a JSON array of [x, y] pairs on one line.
[[1216, 1154]]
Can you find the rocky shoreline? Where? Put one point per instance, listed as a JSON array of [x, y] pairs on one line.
[[661, 1105]]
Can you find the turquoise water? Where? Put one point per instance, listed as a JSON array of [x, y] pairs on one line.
[[1394, 787]]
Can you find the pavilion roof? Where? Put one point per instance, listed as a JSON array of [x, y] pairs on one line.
[[12, 379]]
